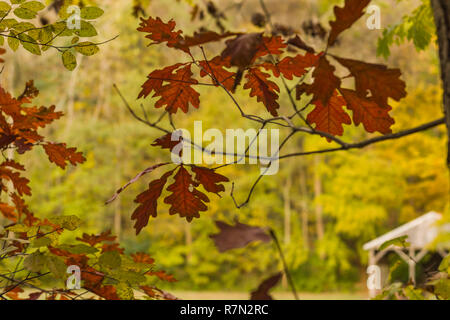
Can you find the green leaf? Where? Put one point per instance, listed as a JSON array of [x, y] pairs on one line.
[[29, 44], [69, 60], [57, 267], [33, 6], [442, 288], [413, 294], [445, 264], [13, 43], [5, 7], [41, 242], [110, 260], [400, 241], [18, 227], [86, 30], [131, 277], [60, 29], [70, 223], [124, 291], [24, 13], [91, 13], [8, 23], [87, 48], [35, 262], [17, 1]]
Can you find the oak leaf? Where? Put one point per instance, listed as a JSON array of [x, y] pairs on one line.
[[346, 17], [156, 79], [60, 154], [148, 201], [185, 199], [270, 46], [331, 117], [237, 236], [383, 83], [209, 179], [292, 66], [242, 49], [178, 93], [159, 31], [217, 69], [325, 82], [93, 239], [368, 112], [264, 89], [262, 292]]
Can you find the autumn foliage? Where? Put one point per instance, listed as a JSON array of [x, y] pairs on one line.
[[254, 60]]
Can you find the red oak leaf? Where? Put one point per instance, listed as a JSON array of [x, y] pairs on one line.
[[160, 32], [19, 183], [331, 117], [162, 275], [242, 49], [293, 66], [141, 257], [216, 68], [325, 82], [346, 17], [209, 179], [185, 199], [93, 239], [178, 93], [112, 247], [262, 293], [8, 211], [237, 236], [156, 79], [148, 201], [270, 45], [383, 83], [264, 89], [368, 112], [60, 154], [169, 141]]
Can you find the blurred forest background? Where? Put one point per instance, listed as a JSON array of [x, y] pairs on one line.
[[323, 208]]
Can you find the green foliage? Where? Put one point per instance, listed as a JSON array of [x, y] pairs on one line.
[[59, 35], [417, 27]]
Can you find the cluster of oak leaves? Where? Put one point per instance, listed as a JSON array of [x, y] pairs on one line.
[[255, 58], [106, 271]]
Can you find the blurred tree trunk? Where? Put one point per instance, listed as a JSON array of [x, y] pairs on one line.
[[188, 240], [304, 207], [441, 9], [117, 204], [317, 194], [287, 210]]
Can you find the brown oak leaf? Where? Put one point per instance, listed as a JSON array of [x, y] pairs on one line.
[[209, 179], [60, 154], [264, 89], [346, 17], [148, 201], [383, 83], [178, 93], [262, 292], [331, 117], [237, 236], [185, 199], [368, 112]]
